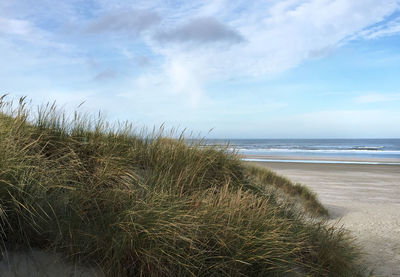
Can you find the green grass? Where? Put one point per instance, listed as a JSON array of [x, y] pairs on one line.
[[138, 204]]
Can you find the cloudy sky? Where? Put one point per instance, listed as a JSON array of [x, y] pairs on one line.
[[245, 69]]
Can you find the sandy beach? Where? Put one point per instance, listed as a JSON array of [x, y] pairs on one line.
[[365, 198]]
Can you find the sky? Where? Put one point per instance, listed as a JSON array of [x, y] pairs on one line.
[[217, 68]]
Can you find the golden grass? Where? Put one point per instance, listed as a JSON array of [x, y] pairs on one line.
[[146, 205]]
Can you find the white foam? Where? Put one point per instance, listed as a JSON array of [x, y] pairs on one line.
[[318, 161], [338, 151]]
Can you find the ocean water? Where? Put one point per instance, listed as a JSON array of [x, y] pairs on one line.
[[283, 149]]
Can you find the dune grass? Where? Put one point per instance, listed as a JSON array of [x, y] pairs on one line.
[[299, 192], [137, 204]]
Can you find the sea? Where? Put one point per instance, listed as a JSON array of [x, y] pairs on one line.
[[360, 151]]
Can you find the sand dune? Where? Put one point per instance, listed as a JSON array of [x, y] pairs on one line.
[[364, 198]]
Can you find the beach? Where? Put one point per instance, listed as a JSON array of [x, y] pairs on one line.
[[362, 195]]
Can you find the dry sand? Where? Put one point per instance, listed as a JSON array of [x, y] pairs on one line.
[[366, 200]]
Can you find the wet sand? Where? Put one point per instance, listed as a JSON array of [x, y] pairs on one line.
[[366, 200]]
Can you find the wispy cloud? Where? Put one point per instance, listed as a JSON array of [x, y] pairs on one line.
[[378, 97], [15, 26], [131, 22], [389, 28], [25, 31], [170, 54], [105, 75], [277, 36]]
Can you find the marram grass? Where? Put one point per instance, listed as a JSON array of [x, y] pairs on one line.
[[145, 205]]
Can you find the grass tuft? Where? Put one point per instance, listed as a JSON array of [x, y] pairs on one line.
[[297, 192]]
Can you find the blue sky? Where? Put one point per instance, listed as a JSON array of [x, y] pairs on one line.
[[245, 69]]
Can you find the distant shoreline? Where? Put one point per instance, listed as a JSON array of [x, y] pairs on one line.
[[321, 160], [329, 151]]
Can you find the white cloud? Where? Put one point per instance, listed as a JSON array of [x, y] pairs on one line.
[[177, 85], [15, 27], [275, 36], [385, 29], [278, 36], [378, 97], [24, 31]]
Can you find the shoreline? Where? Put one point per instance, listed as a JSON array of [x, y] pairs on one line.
[[364, 198], [321, 159]]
